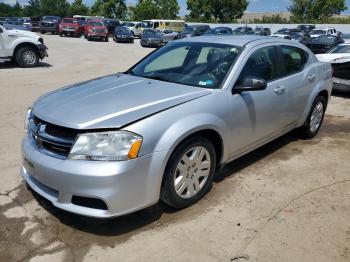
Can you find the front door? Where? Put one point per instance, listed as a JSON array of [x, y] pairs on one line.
[[259, 116]]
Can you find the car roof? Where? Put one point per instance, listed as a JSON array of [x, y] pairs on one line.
[[238, 40], [96, 20]]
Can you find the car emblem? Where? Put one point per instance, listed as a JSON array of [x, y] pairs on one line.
[[41, 128]]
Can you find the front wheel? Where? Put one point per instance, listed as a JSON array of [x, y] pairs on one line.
[[27, 57], [315, 118], [189, 172], [106, 39]]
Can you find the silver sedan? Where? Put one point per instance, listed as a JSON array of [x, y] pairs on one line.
[[160, 130]]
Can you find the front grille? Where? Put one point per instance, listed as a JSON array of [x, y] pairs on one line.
[[50, 138], [98, 30]]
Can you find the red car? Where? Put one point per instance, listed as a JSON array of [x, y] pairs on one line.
[[69, 26], [95, 29]]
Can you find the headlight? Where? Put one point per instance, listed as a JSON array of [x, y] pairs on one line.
[[106, 146], [26, 121]]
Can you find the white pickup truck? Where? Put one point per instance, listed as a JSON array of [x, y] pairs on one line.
[[24, 48]]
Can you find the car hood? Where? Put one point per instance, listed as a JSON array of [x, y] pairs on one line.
[[111, 101], [22, 33], [337, 58]]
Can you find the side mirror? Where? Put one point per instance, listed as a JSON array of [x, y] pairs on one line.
[[250, 83]]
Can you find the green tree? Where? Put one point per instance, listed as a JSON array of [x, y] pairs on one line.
[[17, 10], [78, 8], [156, 9], [6, 10], [109, 8], [222, 11], [32, 8], [54, 7], [315, 10]]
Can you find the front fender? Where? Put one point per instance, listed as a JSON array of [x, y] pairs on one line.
[[22, 40], [185, 127]]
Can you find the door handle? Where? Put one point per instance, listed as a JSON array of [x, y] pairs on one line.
[[280, 90], [311, 78]]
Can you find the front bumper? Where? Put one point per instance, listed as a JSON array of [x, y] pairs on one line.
[[124, 187], [48, 29], [42, 51]]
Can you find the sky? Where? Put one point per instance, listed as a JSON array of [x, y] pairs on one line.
[[254, 5]]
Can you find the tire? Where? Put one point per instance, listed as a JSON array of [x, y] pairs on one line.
[[106, 39], [27, 57], [314, 119], [88, 38], [60, 34], [42, 32], [85, 36], [188, 192]]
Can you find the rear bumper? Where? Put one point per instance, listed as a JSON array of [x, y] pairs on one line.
[[124, 187]]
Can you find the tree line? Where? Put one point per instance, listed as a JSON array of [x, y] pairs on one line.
[[216, 11]]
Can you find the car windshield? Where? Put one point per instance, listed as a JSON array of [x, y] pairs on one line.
[[283, 31], [327, 39], [189, 63], [318, 32], [188, 30], [51, 18], [341, 49], [129, 24], [69, 21], [96, 24], [151, 33], [123, 30]]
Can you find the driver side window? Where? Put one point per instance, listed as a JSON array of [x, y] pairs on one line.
[[261, 64]]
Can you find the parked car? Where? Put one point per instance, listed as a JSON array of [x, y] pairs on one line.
[[302, 37], [151, 38], [306, 28], [69, 27], [286, 33], [222, 30], [111, 25], [49, 24], [243, 30], [169, 35], [35, 20], [262, 31], [16, 23], [193, 30], [2, 20], [95, 29], [324, 43], [24, 48], [339, 57], [323, 31], [131, 26], [123, 34], [116, 144]]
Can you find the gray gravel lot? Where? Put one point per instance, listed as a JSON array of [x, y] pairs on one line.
[[288, 201]]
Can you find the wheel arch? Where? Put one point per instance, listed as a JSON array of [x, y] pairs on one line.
[[28, 44]]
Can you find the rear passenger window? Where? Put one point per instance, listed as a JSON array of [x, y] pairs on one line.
[[262, 64], [294, 59]]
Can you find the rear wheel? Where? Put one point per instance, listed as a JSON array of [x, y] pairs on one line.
[[106, 39], [315, 118], [27, 57], [189, 172]]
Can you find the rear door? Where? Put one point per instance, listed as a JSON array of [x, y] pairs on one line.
[[299, 74]]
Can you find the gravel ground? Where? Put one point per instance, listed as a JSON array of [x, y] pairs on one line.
[[288, 201]]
